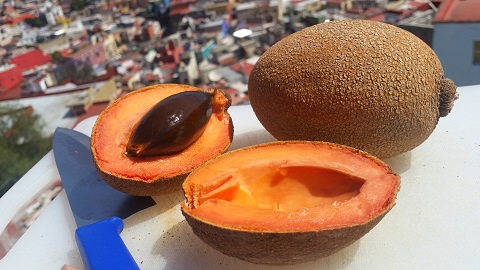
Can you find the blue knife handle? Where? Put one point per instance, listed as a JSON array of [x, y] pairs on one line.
[[101, 246]]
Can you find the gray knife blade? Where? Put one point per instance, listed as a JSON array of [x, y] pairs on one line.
[[98, 208]]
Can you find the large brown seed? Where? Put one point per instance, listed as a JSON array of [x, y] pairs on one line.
[[171, 125]]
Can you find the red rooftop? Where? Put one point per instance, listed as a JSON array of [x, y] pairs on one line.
[[458, 11]]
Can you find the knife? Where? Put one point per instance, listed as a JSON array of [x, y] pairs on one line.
[[98, 209]]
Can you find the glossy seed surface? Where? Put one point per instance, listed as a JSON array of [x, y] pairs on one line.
[[171, 125]]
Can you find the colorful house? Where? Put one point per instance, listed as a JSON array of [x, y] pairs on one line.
[[91, 55]]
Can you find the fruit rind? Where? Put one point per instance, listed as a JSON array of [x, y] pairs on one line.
[[159, 186], [273, 247], [309, 246]]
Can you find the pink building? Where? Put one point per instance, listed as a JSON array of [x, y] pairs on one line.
[[91, 55]]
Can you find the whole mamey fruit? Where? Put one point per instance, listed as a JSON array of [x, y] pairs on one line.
[[147, 141], [287, 202], [366, 84]]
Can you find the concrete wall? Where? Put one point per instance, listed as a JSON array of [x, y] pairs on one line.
[[453, 44], [424, 32]]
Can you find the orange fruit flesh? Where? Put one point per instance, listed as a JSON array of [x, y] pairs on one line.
[[290, 187], [115, 125]]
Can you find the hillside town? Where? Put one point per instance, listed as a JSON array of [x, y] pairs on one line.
[[67, 60], [104, 48]]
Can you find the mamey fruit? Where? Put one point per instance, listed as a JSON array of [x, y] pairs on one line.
[[287, 202], [366, 84], [136, 156]]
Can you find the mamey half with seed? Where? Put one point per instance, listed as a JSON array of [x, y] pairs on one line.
[[146, 142], [366, 84]]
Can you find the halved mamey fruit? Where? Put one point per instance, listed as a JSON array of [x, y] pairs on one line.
[[146, 142], [288, 202]]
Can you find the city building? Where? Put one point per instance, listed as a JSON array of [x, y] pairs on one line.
[[110, 47], [456, 40], [5, 35], [52, 13], [90, 55], [99, 93], [57, 42], [30, 58], [10, 76]]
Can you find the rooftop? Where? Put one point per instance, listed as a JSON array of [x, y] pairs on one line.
[[458, 11]]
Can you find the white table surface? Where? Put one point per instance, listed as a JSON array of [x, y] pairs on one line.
[[435, 224]]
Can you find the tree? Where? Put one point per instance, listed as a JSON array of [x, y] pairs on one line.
[[36, 22], [57, 57], [78, 4], [22, 143], [69, 69]]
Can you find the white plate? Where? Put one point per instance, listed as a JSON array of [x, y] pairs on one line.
[[433, 226]]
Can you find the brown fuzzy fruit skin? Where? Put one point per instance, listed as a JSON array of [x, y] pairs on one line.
[[153, 176], [278, 247], [366, 84], [264, 248], [159, 186]]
